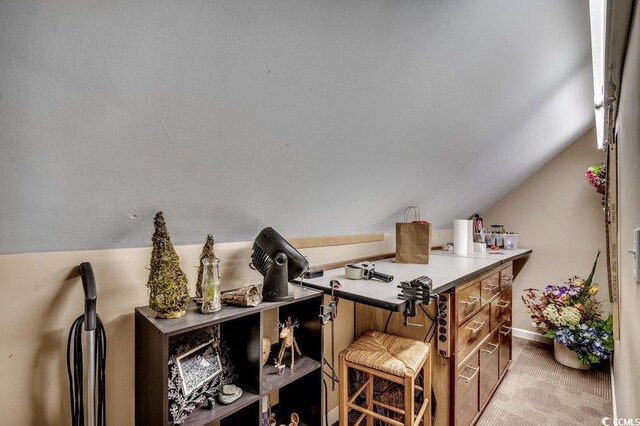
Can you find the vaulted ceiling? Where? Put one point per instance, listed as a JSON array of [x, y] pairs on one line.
[[313, 117]]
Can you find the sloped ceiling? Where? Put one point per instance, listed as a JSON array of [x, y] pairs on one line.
[[314, 117]]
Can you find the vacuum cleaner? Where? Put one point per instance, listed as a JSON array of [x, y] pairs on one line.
[[96, 343]]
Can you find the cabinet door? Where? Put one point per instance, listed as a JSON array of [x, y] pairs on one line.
[[468, 301], [467, 403], [501, 309], [489, 367], [472, 332], [505, 346], [490, 287], [506, 277]]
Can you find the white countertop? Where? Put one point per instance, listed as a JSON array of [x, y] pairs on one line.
[[501, 255], [445, 270]]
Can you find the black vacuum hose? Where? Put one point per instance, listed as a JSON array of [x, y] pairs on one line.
[[75, 372]]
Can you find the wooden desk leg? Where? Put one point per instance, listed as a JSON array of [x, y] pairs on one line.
[[409, 399], [343, 387]]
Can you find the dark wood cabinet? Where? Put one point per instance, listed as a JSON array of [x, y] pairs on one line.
[[489, 367], [483, 341], [505, 346], [467, 382], [241, 329], [467, 375]]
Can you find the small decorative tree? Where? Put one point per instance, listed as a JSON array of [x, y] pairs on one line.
[[167, 284], [207, 252]]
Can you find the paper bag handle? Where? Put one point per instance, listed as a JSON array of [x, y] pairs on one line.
[[416, 212]]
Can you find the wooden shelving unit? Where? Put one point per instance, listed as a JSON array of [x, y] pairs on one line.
[[242, 330]]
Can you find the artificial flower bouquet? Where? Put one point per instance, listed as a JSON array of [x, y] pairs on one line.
[[570, 314], [597, 176]]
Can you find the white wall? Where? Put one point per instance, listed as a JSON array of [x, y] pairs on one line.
[[627, 349], [315, 117], [560, 217], [42, 295]]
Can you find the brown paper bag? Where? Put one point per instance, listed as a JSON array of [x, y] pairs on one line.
[[413, 239]]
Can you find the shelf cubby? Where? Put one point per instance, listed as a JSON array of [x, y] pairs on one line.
[[241, 330]]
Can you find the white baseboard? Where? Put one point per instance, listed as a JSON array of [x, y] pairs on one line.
[[531, 335], [613, 388], [334, 416]]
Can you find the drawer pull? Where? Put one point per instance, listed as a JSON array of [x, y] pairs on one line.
[[491, 287], [495, 348], [505, 332], [475, 372], [503, 304], [472, 300], [507, 278], [475, 330]]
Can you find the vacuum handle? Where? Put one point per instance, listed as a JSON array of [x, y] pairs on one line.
[[382, 277], [90, 296]]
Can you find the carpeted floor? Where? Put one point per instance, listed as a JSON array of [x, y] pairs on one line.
[[539, 391]]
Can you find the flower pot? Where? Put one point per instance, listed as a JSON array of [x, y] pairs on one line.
[[566, 356]]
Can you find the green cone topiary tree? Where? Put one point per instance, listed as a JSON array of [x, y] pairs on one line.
[[207, 252], [167, 284]]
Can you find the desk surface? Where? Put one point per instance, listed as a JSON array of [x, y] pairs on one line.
[[445, 270]]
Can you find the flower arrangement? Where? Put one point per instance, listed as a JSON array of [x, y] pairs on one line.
[[597, 176], [570, 314]]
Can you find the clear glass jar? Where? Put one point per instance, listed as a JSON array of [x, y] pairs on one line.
[[211, 299]]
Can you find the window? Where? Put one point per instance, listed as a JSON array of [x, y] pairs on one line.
[[598, 14]]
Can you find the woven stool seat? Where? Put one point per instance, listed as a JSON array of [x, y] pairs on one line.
[[384, 352]]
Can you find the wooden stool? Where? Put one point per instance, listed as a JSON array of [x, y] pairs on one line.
[[392, 358]]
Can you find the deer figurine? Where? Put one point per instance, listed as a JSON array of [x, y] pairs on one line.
[[288, 341]]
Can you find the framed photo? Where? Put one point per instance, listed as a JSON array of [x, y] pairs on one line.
[[479, 224], [198, 366]]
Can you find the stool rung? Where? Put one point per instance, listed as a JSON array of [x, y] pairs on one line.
[[360, 419], [374, 414], [359, 391], [377, 373], [388, 407], [425, 404]]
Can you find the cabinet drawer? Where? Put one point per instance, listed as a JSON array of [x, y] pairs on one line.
[[489, 366], [467, 404], [505, 346], [471, 333], [506, 277], [501, 309], [489, 287], [468, 302]]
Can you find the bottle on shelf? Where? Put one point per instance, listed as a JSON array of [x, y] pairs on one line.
[[211, 298]]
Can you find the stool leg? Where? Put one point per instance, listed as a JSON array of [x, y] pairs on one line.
[[409, 399], [426, 371], [343, 386], [370, 398]]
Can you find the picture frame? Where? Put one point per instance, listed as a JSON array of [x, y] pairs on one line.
[[198, 366]]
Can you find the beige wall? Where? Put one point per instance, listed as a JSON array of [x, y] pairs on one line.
[[42, 295], [627, 350], [560, 217]]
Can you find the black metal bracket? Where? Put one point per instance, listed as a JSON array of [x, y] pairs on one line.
[[417, 290]]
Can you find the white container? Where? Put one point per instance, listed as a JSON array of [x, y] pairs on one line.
[[510, 241], [566, 356]]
